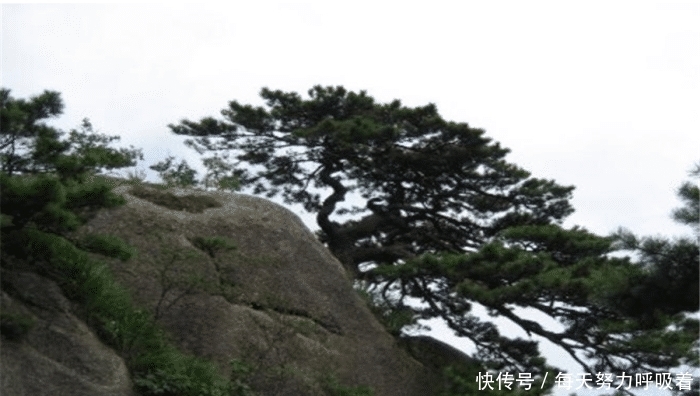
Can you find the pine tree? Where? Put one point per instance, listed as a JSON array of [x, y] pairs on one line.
[[44, 170], [437, 214]]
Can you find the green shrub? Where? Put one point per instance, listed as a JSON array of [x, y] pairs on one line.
[[240, 374], [107, 245], [182, 375], [333, 387]]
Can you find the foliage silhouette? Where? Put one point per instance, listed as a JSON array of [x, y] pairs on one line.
[[434, 212]]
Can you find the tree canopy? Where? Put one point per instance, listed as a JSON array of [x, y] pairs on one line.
[[417, 206], [43, 169], [427, 184]]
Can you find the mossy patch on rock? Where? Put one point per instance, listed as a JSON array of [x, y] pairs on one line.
[[190, 203]]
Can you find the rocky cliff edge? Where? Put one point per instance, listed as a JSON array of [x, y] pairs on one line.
[[274, 298]]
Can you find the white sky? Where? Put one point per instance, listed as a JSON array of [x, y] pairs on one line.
[[601, 95]]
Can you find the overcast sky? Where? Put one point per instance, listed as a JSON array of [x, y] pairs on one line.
[[604, 96]]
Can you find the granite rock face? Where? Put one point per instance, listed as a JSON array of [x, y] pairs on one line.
[[60, 355], [277, 300]]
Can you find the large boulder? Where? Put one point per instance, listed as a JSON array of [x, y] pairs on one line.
[[278, 301]]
